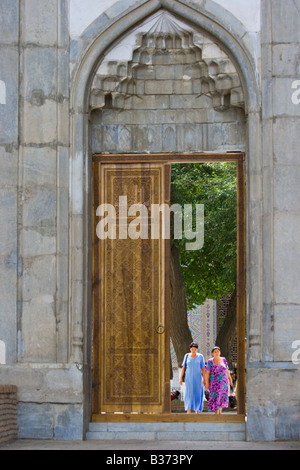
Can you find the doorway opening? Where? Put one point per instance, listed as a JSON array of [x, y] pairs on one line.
[[132, 305], [203, 273]]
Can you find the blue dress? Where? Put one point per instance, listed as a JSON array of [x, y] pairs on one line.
[[194, 390]]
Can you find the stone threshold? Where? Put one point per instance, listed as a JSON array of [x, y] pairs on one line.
[[179, 431], [203, 418]]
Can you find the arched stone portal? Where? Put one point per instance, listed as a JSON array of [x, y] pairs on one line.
[[91, 57], [176, 92]]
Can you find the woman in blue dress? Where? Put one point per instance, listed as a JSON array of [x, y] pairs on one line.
[[193, 367]]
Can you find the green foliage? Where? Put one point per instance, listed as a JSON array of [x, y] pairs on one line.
[[209, 273]]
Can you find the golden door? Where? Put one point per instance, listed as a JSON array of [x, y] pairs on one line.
[[131, 345]]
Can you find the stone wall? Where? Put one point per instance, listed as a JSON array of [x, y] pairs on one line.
[[273, 378], [34, 193], [8, 413], [9, 115]]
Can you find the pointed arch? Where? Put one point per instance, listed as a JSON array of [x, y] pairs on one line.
[[95, 42], [104, 32]]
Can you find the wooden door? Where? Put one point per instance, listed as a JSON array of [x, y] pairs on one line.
[[130, 322]]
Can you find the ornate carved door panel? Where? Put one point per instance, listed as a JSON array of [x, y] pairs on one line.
[[130, 323]]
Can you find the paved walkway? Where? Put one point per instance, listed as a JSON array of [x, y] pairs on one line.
[[148, 445]]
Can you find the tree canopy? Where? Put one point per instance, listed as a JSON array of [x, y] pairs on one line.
[[208, 273]]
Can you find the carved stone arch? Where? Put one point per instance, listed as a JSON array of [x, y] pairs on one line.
[[94, 44], [96, 41]]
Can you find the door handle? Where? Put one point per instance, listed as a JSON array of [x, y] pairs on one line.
[[160, 329]]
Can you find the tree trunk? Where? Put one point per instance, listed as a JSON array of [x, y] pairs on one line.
[[180, 333], [227, 332]]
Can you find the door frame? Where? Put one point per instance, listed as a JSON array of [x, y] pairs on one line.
[[201, 157]]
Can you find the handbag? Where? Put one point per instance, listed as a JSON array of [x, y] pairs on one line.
[[232, 401]]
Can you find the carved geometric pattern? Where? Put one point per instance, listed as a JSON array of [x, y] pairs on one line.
[[202, 322], [132, 280]]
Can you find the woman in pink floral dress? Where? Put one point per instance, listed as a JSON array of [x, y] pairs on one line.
[[218, 378]]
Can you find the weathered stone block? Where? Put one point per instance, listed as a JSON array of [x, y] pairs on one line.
[[147, 138], [287, 140], [143, 72], [39, 279], [97, 139], [158, 87], [39, 343], [40, 70], [267, 98], [286, 331], [184, 102], [49, 421], [39, 166], [286, 258], [287, 421], [8, 273], [69, 423], [124, 138], [9, 72], [184, 87], [35, 421], [148, 102], [140, 87], [9, 21], [189, 71], [189, 138], [40, 22], [34, 243], [169, 139], [8, 219], [286, 60], [285, 18], [39, 208], [9, 167], [282, 98], [165, 72], [45, 382], [287, 188], [8, 321], [222, 136], [39, 124], [261, 423], [265, 403], [63, 130], [110, 138]]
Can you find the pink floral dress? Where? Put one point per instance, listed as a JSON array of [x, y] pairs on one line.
[[218, 384]]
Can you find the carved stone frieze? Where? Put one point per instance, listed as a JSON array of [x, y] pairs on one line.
[[168, 60]]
